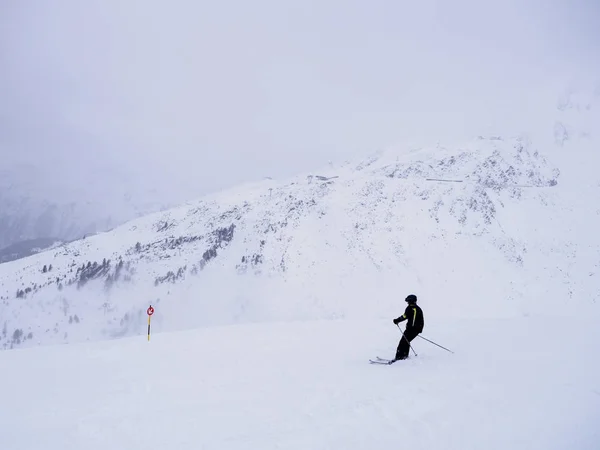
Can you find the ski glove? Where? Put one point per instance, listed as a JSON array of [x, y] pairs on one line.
[[400, 319]]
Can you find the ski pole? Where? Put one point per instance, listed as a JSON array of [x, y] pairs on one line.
[[435, 344], [409, 346]]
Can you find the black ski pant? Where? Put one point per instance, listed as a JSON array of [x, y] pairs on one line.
[[404, 344]]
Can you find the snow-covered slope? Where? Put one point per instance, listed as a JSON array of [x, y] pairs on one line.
[[54, 194], [513, 384], [488, 229]]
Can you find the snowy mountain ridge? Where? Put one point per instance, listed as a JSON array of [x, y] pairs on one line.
[[487, 229], [51, 198]]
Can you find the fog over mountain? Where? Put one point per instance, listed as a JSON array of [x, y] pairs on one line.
[[112, 109], [274, 178]]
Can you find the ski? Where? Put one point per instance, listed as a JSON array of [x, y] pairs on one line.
[[386, 360], [387, 363], [382, 361]]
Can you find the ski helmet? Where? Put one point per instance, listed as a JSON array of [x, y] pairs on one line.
[[412, 298]]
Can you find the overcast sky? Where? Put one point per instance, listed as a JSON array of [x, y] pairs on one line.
[[239, 90]]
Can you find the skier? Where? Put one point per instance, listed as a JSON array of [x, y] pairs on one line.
[[414, 315]]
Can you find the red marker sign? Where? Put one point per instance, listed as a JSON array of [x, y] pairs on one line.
[[149, 311]]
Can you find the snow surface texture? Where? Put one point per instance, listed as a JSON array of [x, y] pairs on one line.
[[519, 384], [494, 228]]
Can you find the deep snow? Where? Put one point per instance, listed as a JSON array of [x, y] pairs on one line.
[[517, 383]]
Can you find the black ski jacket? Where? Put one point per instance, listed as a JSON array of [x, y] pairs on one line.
[[413, 314]]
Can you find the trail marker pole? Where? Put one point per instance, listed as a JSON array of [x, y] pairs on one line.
[[149, 311]]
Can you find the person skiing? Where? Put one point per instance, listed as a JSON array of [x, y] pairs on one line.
[[414, 316]]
